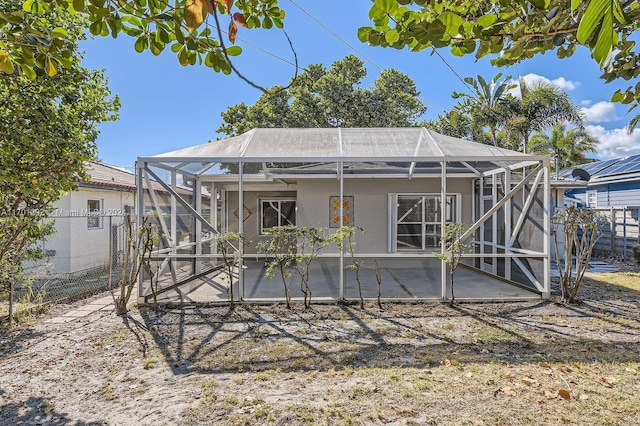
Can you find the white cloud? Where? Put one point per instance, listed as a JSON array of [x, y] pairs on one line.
[[599, 112], [616, 142], [586, 102], [535, 80]]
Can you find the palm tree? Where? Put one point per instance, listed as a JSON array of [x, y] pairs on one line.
[[569, 147], [539, 108], [486, 104]]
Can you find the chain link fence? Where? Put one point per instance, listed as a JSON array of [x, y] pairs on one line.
[[78, 260]]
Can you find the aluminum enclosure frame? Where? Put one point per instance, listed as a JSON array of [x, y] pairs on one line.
[[498, 176]]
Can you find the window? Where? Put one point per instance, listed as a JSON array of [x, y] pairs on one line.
[[592, 199], [417, 220], [94, 219], [277, 213]]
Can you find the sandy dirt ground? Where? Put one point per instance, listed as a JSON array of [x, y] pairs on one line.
[[426, 363]]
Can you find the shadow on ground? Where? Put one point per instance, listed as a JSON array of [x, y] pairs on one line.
[[252, 338], [36, 411]]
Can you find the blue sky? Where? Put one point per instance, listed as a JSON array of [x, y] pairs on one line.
[[166, 106]]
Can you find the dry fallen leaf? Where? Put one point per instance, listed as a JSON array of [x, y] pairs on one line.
[[508, 391], [550, 394], [631, 370], [544, 365], [583, 397], [529, 381], [455, 362], [564, 394], [609, 381], [445, 363]]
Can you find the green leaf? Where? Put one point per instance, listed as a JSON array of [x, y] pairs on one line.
[[575, 4], [28, 6], [592, 17], [78, 5], [183, 57], [28, 71], [607, 38], [392, 36], [363, 34], [452, 22], [234, 50], [59, 33], [140, 44], [486, 21], [436, 30], [387, 6]]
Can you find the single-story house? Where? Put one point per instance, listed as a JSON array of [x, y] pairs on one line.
[[90, 222], [400, 185], [610, 183], [611, 187]]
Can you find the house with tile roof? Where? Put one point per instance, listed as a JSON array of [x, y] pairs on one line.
[[90, 221]]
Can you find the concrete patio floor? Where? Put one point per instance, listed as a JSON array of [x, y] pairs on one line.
[[402, 280]]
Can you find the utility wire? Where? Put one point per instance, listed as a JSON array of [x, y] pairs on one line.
[[452, 69], [354, 49], [336, 35]]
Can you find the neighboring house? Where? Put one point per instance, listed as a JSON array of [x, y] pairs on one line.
[[613, 188], [90, 221], [400, 185], [610, 183]]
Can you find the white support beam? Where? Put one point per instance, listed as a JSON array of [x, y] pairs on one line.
[[508, 209], [140, 211], [342, 271], [547, 230], [170, 168], [213, 215], [174, 207], [525, 209], [470, 167], [443, 223], [186, 205], [497, 206], [204, 169], [529, 274], [494, 223], [197, 193], [240, 231], [481, 228], [163, 224]]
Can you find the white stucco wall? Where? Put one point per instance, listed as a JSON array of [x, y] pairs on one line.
[[371, 199], [78, 247]]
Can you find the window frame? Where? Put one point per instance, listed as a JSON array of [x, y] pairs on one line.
[[595, 196], [394, 220], [94, 216], [261, 202]]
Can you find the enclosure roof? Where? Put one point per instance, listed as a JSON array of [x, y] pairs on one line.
[[346, 144]]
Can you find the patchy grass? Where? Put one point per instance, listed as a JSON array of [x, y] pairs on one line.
[[415, 364], [515, 363]]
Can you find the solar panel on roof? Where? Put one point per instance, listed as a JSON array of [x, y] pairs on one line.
[[628, 165], [593, 168]]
